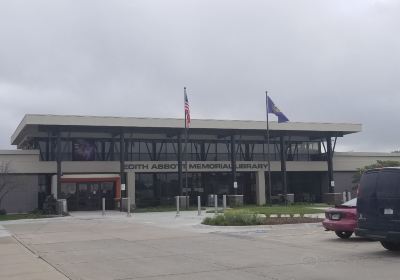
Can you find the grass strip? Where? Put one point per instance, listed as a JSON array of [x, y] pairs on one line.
[[11, 217]]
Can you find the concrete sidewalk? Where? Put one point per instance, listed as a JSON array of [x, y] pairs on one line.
[[17, 262], [73, 247], [161, 246], [4, 232]]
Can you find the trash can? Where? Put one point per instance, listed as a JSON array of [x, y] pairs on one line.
[[184, 202], [61, 206], [211, 200], [290, 198]]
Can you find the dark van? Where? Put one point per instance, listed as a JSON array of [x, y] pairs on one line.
[[378, 207]]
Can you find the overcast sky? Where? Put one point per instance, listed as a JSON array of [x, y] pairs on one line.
[[321, 61]]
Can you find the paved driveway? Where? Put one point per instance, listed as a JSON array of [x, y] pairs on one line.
[[161, 246]]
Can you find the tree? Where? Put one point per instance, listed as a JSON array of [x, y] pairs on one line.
[[6, 182], [378, 164]]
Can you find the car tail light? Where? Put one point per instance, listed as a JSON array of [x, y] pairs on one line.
[[335, 216]]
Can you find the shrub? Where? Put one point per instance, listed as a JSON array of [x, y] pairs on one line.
[[50, 205], [378, 164], [234, 219], [3, 212], [215, 221]]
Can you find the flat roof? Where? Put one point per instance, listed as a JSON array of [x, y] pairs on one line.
[[19, 152], [32, 120]]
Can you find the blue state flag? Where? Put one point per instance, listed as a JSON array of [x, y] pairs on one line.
[[271, 108]]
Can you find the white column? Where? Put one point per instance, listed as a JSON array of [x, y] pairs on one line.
[[260, 187], [131, 187], [54, 185]]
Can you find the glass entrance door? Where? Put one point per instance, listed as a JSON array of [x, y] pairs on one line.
[[87, 196], [83, 193], [68, 192], [94, 196], [107, 191]]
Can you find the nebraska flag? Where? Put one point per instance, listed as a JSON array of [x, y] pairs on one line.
[[272, 109], [187, 111]]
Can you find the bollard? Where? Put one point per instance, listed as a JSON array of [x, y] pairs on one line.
[[177, 206], [128, 207], [348, 195], [216, 203], [103, 205], [198, 205], [344, 197], [224, 201]]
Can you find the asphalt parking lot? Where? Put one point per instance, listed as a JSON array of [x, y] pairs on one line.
[[162, 246]]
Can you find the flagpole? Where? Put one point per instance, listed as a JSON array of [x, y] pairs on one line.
[[186, 140], [268, 155]]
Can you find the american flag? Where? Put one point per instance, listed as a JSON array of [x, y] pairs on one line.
[[187, 110]]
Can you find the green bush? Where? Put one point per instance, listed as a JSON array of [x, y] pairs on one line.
[[378, 164], [234, 219], [279, 209]]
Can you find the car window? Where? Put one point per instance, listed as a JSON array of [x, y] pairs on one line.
[[368, 184], [350, 203], [389, 183]]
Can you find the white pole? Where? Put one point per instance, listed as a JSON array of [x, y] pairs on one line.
[[128, 207], [177, 206], [185, 154], [216, 203], [268, 155], [224, 201], [198, 205], [103, 206]]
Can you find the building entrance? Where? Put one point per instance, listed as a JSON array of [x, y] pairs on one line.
[[87, 196]]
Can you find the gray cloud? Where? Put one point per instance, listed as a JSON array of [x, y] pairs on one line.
[[322, 61]]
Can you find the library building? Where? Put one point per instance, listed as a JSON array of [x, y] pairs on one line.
[[83, 159]]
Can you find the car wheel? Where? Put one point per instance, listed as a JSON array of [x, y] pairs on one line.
[[344, 234], [391, 246]]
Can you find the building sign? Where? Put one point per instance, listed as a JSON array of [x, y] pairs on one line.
[[194, 166]]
